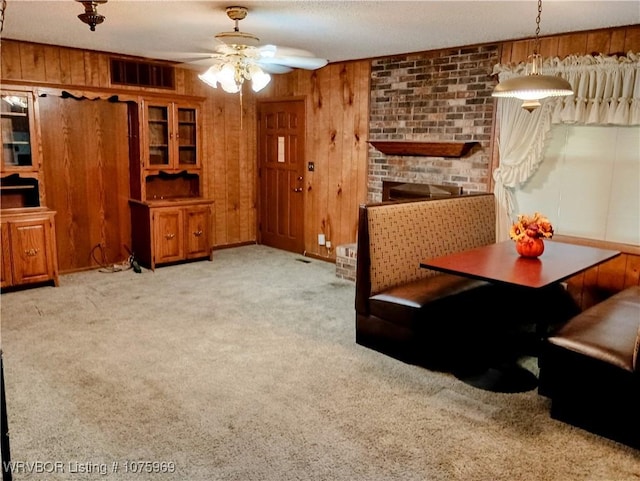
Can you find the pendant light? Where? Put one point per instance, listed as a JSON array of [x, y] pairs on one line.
[[91, 16], [533, 86]]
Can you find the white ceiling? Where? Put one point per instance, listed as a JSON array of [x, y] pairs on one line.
[[335, 30]]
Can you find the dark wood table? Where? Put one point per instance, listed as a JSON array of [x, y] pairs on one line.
[[533, 282], [501, 263]]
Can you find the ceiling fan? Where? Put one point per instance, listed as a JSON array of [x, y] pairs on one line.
[[238, 56]]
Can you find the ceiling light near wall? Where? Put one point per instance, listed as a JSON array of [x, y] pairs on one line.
[[533, 87], [91, 16]]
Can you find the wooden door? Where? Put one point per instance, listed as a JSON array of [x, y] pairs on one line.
[[168, 235], [31, 258], [197, 232], [281, 170]]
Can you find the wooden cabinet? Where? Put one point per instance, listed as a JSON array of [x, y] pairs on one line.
[[170, 136], [28, 247], [170, 221], [170, 231], [21, 151], [29, 253]]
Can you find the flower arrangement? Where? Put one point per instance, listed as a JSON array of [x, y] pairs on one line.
[[527, 227]]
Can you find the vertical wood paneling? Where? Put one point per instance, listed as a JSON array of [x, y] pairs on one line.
[[10, 60], [572, 44], [632, 39], [598, 42], [52, 64], [32, 62], [87, 182], [77, 68], [335, 161], [65, 67], [218, 168]]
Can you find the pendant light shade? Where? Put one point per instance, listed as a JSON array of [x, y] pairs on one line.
[[533, 86]]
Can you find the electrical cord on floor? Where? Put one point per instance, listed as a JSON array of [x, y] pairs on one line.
[[106, 267]]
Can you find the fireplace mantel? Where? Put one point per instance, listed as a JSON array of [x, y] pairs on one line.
[[425, 149]]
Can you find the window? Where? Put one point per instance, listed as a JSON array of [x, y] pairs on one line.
[[588, 183]]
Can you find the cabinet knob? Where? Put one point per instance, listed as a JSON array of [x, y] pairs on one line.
[[31, 252], [197, 233], [169, 236]]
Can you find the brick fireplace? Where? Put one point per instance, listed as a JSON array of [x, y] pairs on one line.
[[439, 96], [436, 96]]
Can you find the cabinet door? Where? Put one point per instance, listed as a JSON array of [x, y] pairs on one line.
[[168, 235], [5, 260], [158, 136], [31, 259], [187, 137], [197, 232], [16, 112]]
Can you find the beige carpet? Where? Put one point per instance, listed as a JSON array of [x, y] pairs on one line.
[[245, 368]]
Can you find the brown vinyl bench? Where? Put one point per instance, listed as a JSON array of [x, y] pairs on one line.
[[402, 309], [591, 372]]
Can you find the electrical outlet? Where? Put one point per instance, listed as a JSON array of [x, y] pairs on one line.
[[328, 244], [321, 239], [311, 166]]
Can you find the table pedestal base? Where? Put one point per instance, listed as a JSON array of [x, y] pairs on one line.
[[508, 378]]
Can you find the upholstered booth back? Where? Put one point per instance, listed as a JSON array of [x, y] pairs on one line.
[[403, 234]]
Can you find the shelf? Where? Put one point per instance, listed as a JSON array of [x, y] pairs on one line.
[[425, 149], [17, 187]]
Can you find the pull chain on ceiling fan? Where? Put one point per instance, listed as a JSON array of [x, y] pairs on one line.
[[239, 57]]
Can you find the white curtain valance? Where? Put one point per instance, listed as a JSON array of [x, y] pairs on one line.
[[606, 92], [607, 88]]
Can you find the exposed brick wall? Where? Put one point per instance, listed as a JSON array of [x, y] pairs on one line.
[[433, 96]]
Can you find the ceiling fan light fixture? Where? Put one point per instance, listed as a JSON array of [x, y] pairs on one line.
[[533, 87], [232, 74], [259, 78]]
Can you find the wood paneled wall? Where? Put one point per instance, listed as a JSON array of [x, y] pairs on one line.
[[228, 140], [337, 116], [87, 179]]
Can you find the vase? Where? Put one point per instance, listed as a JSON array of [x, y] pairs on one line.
[[530, 247]]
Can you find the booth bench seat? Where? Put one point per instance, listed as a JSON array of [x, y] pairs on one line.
[[591, 372], [402, 309]]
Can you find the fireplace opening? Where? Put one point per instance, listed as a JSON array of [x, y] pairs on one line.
[[392, 190]]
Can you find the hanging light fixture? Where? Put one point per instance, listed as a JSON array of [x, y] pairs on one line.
[[533, 87], [232, 71], [91, 16]]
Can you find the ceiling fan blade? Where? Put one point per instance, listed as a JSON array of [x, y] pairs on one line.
[[307, 63], [274, 68], [277, 51]]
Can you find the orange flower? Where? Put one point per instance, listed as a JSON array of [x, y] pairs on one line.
[[534, 227]]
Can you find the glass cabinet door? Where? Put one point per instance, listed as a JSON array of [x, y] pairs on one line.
[[187, 152], [158, 125], [15, 108]]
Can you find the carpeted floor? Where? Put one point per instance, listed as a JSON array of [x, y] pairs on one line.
[[246, 369]]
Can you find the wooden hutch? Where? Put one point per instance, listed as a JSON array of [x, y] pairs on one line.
[[170, 219], [28, 230]]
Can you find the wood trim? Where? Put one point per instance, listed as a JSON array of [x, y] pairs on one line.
[[624, 248], [93, 93]]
